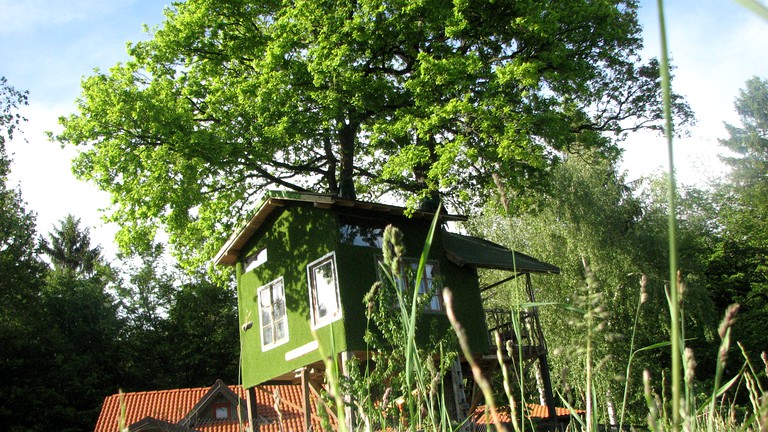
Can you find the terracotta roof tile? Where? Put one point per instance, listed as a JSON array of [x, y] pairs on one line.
[[534, 411], [173, 405]]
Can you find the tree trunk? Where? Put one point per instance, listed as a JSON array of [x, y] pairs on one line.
[[347, 159], [431, 201]]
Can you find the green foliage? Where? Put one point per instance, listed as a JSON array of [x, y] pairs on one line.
[[67, 343], [19, 265], [82, 331], [21, 388], [177, 333], [61, 336], [203, 333], [82, 327], [401, 385], [593, 215], [10, 119], [147, 294], [70, 248], [419, 98], [738, 265]]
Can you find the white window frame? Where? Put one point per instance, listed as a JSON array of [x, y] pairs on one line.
[[270, 286], [335, 315], [435, 304], [427, 283]]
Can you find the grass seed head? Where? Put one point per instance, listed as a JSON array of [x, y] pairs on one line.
[[728, 319], [690, 365]]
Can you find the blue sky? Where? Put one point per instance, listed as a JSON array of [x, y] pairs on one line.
[[47, 46]]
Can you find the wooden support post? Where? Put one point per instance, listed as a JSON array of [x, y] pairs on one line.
[[459, 393], [547, 381], [250, 400], [349, 411], [305, 398]]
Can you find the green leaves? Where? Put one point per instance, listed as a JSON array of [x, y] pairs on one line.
[[739, 257], [70, 251], [419, 98]]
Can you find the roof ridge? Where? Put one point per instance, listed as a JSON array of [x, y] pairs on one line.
[[178, 390]]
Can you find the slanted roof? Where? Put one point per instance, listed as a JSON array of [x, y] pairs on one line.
[[218, 389], [230, 251], [480, 253], [159, 409]]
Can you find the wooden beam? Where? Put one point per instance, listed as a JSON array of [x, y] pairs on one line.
[[250, 400], [349, 411], [328, 411], [495, 284], [305, 398], [283, 401]]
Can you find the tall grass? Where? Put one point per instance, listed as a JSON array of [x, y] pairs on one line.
[[424, 410], [421, 394], [674, 304]]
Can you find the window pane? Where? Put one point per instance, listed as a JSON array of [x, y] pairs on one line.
[[267, 335], [426, 285], [264, 297], [435, 303], [222, 412], [266, 316], [280, 329], [426, 277], [279, 310], [325, 290], [278, 293], [428, 270], [274, 327]]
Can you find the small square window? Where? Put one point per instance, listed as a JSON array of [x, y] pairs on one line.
[[221, 411]]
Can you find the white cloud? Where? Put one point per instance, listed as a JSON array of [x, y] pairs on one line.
[[42, 171]]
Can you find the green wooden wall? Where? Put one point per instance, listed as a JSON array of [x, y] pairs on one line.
[[299, 234]]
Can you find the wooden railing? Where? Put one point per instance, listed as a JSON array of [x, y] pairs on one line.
[[528, 336]]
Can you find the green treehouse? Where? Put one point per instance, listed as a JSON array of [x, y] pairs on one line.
[[304, 263]]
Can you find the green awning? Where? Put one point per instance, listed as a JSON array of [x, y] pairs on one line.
[[480, 253]]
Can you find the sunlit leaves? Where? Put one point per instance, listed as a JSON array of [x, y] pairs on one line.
[[412, 98]]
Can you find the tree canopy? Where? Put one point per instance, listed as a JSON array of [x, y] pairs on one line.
[[66, 343], [596, 217], [69, 248], [19, 264], [411, 98], [738, 265]]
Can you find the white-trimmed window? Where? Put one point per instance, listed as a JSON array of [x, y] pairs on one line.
[[272, 314], [428, 284], [429, 281], [323, 290]]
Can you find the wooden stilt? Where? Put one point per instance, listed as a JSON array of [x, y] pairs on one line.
[[547, 381], [305, 398], [459, 393], [250, 400], [349, 411]]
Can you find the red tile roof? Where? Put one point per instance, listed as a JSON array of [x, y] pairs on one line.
[[533, 411], [172, 406]]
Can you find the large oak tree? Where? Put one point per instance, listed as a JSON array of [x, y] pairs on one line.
[[426, 98]]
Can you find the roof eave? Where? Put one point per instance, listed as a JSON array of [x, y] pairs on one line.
[[229, 253]]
